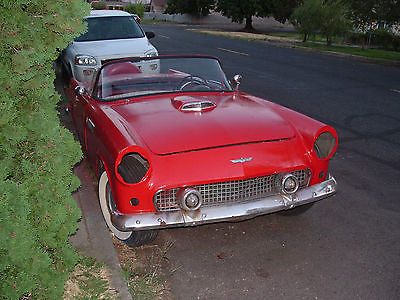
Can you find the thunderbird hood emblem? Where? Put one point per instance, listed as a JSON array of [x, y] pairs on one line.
[[241, 160]]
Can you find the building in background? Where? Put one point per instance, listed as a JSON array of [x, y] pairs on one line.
[[158, 5]]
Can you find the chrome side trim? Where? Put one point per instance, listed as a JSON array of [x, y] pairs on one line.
[[241, 211]]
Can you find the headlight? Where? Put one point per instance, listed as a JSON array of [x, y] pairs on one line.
[[189, 199], [151, 53], [133, 168], [290, 184], [324, 145], [85, 60]]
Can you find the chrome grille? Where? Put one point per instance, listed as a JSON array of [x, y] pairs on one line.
[[218, 193]]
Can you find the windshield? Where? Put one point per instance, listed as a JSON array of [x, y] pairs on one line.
[[108, 28], [158, 75]]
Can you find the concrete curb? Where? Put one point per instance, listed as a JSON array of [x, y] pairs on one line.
[[93, 237]]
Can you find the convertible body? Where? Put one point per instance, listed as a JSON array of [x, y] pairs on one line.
[[179, 147]]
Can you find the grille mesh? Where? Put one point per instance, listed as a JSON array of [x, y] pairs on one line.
[[237, 191]]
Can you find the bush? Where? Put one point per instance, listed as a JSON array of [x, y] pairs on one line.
[[36, 154], [356, 38], [99, 5], [383, 38], [136, 8], [396, 43]]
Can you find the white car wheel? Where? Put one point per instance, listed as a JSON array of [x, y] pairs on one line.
[[106, 202], [130, 238]]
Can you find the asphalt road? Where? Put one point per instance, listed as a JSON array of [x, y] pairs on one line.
[[345, 247]]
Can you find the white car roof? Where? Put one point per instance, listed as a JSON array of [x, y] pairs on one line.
[[107, 13]]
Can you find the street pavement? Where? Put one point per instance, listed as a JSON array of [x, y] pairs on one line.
[[345, 247]]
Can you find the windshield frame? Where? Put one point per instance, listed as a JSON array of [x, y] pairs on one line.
[[226, 83]]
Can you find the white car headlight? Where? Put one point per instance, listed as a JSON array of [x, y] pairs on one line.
[[151, 53], [85, 60]]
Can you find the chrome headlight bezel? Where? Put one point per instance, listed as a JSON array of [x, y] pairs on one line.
[[132, 168], [85, 60], [325, 145], [184, 199], [289, 184]]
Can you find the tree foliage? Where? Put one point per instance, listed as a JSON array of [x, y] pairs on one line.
[[334, 20], [307, 18], [136, 8], [366, 13], [328, 17], [99, 5], [283, 9], [192, 7], [238, 10], [36, 154]]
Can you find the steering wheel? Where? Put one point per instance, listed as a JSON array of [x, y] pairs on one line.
[[192, 80]]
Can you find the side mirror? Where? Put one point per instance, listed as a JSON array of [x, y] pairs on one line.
[[150, 34], [80, 90], [237, 79]]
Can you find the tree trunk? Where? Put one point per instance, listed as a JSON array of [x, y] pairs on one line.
[[249, 24], [328, 41]]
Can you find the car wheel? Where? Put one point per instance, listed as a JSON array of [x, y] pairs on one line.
[[297, 210], [130, 238]]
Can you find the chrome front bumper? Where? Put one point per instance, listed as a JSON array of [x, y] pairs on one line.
[[240, 211]]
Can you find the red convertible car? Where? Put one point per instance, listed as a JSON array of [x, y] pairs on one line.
[[177, 145]]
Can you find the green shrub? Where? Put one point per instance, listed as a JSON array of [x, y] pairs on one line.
[[99, 5], [396, 43], [356, 38], [37, 211], [136, 8], [383, 38]]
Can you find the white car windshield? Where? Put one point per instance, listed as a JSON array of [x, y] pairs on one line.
[[129, 78], [109, 28]]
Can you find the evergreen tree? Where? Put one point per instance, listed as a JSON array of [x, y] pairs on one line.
[[37, 212]]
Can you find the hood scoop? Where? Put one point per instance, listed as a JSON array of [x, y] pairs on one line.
[[189, 104]]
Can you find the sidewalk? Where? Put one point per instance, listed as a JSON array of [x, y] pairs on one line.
[[93, 237]]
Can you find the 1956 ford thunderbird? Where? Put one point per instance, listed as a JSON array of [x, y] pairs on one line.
[[176, 145]]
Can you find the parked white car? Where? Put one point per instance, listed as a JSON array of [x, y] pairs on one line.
[[111, 34]]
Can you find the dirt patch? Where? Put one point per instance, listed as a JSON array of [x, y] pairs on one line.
[[144, 267], [89, 280]]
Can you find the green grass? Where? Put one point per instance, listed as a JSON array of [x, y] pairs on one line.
[[373, 53], [295, 35], [88, 281], [150, 21], [142, 269], [143, 285], [318, 42]]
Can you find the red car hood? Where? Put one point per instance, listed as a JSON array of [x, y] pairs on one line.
[[161, 125]]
